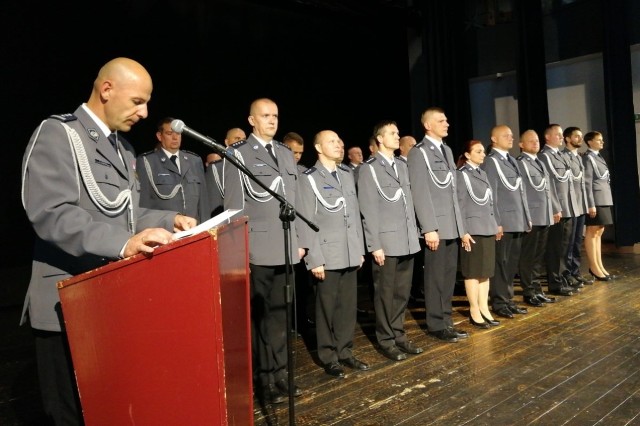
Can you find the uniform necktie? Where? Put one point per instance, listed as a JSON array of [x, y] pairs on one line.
[[393, 166], [271, 153], [538, 163], [444, 153], [113, 139], [174, 160], [335, 175]]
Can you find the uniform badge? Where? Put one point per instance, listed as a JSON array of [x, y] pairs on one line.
[[93, 134]]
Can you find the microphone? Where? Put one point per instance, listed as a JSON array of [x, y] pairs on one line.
[[178, 126]]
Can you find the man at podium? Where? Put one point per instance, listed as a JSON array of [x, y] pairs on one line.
[[80, 193]]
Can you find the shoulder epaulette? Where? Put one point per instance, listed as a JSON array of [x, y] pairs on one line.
[[521, 157], [370, 160], [491, 154], [419, 144], [65, 118], [283, 145], [190, 152], [147, 153], [345, 168], [309, 170], [239, 143]]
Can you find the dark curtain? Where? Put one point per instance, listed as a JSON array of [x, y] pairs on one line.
[[621, 141]]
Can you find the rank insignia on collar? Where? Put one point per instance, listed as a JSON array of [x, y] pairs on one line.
[[93, 134]]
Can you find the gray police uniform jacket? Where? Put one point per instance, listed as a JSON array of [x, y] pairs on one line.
[[266, 236], [433, 187], [333, 206], [560, 173], [214, 175], [164, 187], [541, 198], [386, 205], [74, 234], [476, 201], [577, 180], [510, 201], [597, 178]]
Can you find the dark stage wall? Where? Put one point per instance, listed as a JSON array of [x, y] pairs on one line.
[[209, 60]]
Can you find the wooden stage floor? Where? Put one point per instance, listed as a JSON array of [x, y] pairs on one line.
[[575, 362]]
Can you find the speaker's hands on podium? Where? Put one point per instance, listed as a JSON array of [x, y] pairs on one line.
[[182, 223], [145, 241]]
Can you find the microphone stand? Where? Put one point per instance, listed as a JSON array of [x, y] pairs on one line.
[[287, 215]]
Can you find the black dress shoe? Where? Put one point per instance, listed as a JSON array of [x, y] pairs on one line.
[[562, 291], [544, 298], [354, 363], [408, 347], [504, 312], [446, 335], [491, 322], [517, 310], [533, 301], [597, 278], [393, 353], [283, 386], [334, 369], [271, 395], [483, 325], [460, 334], [583, 280]]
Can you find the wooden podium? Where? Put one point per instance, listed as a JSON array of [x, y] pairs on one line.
[[165, 340]]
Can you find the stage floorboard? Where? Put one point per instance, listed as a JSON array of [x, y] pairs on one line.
[[575, 362]]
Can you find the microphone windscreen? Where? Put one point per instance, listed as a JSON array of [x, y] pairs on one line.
[[177, 126]]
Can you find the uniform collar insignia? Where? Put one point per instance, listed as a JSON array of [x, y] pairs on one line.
[[93, 134]]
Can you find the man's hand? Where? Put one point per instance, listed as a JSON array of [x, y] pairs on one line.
[[432, 240], [378, 256], [499, 234], [557, 217], [182, 223], [146, 241], [318, 273], [592, 212]]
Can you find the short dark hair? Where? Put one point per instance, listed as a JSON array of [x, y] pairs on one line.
[[569, 131]]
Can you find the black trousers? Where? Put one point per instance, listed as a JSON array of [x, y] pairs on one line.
[[507, 260], [269, 322], [336, 314], [392, 285], [440, 267], [557, 246], [57, 380], [575, 244], [531, 265]]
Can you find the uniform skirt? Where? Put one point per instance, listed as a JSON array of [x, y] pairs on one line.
[[603, 217], [480, 261]]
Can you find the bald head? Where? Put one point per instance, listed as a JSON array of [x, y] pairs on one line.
[[263, 117], [120, 94], [502, 137], [327, 144], [530, 142], [406, 143], [234, 135]]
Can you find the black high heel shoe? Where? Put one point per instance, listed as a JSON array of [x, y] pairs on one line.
[[482, 325], [597, 278], [492, 323]]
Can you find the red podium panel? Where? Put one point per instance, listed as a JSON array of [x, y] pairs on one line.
[[165, 340]]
